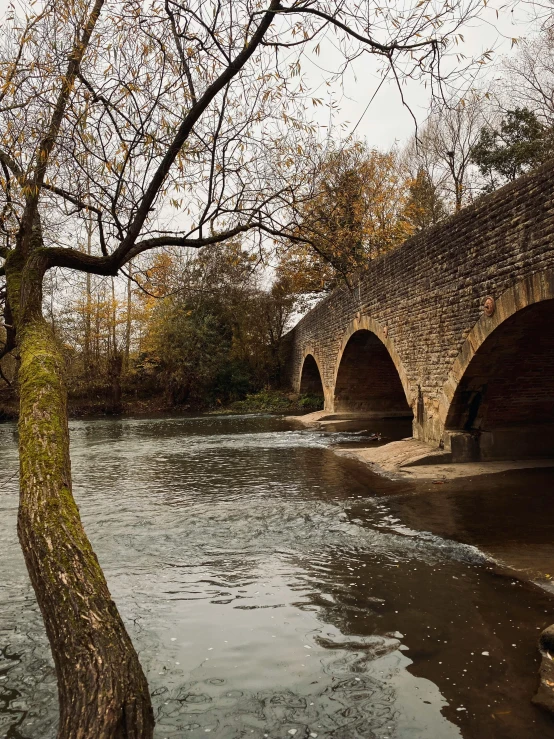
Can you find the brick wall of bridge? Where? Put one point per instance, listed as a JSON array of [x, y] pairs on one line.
[[424, 300]]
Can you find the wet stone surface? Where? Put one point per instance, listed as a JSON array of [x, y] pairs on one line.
[[275, 589]]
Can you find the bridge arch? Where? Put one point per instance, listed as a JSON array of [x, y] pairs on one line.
[[498, 400], [369, 375], [311, 378]]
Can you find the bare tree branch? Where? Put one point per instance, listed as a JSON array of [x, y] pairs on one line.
[[49, 140], [186, 127], [386, 49]]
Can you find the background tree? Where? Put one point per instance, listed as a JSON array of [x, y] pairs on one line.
[[424, 204], [443, 147], [122, 112], [356, 213], [519, 144], [527, 78], [215, 336]]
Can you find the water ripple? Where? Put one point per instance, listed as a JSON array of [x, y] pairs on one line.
[[261, 605]]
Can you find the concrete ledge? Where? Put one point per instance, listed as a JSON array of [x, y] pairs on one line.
[[510, 442], [320, 419], [397, 455], [310, 419], [411, 459]]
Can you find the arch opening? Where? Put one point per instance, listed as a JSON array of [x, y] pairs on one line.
[[367, 380], [503, 407], [310, 381]]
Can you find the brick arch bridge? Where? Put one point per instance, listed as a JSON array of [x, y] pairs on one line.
[[412, 338]]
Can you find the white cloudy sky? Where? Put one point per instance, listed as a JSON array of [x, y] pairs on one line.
[[386, 120]]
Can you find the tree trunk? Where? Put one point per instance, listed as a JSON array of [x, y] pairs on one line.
[[458, 186], [88, 308], [103, 692], [128, 326], [115, 365]]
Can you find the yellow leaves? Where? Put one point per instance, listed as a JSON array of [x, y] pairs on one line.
[[29, 190], [295, 69], [355, 214]]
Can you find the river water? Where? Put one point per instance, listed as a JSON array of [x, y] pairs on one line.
[[276, 589]]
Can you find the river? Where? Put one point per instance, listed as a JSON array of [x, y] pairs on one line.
[[275, 589]]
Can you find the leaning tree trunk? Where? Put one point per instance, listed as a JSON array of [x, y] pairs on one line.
[[103, 692]]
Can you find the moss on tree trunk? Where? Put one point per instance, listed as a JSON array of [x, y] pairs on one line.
[[103, 692]]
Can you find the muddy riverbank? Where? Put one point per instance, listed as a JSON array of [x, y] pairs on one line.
[[393, 452]]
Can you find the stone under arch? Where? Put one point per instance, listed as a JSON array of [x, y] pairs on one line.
[[498, 401], [369, 377]]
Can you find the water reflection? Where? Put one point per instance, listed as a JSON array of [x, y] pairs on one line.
[[270, 595]]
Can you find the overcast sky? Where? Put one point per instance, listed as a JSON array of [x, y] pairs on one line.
[[387, 121]]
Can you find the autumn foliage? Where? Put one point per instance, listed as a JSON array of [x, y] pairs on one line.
[[362, 205]]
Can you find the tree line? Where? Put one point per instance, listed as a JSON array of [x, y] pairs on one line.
[[193, 331], [202, 329]]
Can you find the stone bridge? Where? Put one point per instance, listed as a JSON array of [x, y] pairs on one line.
[[455, 329]]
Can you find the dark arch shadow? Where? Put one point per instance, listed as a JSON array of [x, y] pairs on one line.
[[504, 401], [367, 380], [310, 379]]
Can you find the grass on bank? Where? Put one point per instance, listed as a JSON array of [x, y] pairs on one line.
[[264, 401], [275, 401]]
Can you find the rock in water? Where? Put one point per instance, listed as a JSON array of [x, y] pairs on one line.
[[544, 696]]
